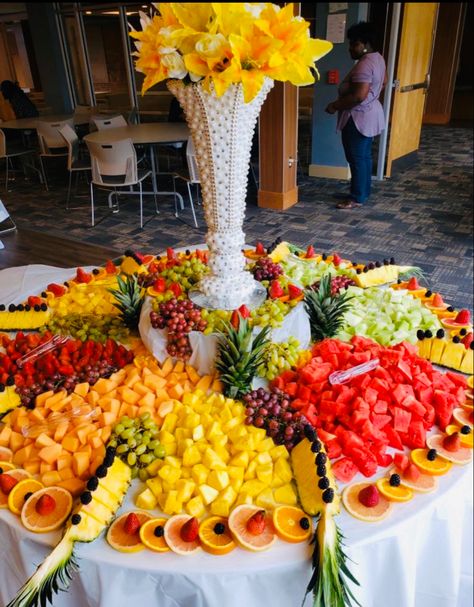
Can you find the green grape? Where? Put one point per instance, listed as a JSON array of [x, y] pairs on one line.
[[160, 451], [134, 471], [153, 444], [146, 458], [131, 459], [119, 428], [143, 474], [140, 449], [132, 443], [122, 449], [127, 433]]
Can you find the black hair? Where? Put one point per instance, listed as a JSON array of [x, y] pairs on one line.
[[8, 89], [362, 32]]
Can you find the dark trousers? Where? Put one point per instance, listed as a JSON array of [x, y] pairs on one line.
[[358, 151]]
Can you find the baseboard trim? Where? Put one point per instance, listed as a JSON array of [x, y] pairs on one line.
[[330, 172]]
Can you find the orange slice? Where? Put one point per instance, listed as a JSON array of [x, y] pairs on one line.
[[394, 494], [238, 525], [20, 475], [424, 483], [122, 541], [436, 467], [450, 323], [6, 454], [215, 536], [290, 523], [173, 535], [152, 535], [463, 417], [466, 439], [16, 497], [469, 394], [350, 499], [470, 381], [6, 467], [42, 523], [462, 456]]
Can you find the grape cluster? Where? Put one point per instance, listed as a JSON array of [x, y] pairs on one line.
[[180, 318], [136, 443], [89, 326], [265, 269], [279, 357], [272, 312], [338, 283], [186, 272], [272, 411]]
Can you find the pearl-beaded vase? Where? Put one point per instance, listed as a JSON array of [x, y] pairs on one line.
[[222, 131]]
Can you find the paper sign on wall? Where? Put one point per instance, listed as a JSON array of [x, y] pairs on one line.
[[336, 28]]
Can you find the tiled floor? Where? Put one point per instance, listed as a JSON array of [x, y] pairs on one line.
[[422, 216]]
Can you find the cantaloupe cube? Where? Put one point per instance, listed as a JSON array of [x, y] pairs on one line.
[[16, 441], [95, 441], [93, 397], [165, 407], [70, 443], [95, 463], [204, 383], [5, 433], [61, 431], [82, 389], [51, 478], [105, 433], [140, 388], [50, 454], [147, 400], [56, 401], [64, 461], [176, 391], [23, 454], [66, 473], [103, 386], [83, 432], [86, 449], [193, 375], [217, 386], [37, 415], [108, 403], [132, 411], [107, 418], [45, 467], [75, 486], [119, 376], [122, 410], [99, 452], [80, 463], [42, 398], [166, 367], [32, 466]]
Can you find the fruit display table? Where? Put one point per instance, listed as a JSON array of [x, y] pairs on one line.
[[415, 558]]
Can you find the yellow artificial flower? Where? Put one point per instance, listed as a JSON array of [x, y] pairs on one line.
[[197, 16]]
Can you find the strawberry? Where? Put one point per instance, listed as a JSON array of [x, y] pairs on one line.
[[131, 524], [160, 285], [175, 287], [45, 505], [452, 442], [260, 249], [437, 301], [244, 311], [256, 523], [369, 496], [413, 284], [56, 290], [170, 253], [82, 276], [294, 291], [411, 473], [110, 267], [7, 483], [463, 317], [34, 301], [276, 289], [336, 260], [235, 319], [310, 252], [467, 340], [140, 257], [190, 530]]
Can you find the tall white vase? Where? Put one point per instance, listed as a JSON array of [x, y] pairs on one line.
[[222, 131]]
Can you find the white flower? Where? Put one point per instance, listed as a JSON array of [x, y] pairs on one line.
[[174, 64], [211, 45], [195, 77], [254, 8]]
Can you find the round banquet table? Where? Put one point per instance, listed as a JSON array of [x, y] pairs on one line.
[[32, 123], [421, 556], [143, 134]]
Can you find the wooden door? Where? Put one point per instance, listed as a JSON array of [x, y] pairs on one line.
[[412, 79]]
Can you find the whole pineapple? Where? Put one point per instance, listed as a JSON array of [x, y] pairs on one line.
[[325, 310], [239, 354], [129, 298]]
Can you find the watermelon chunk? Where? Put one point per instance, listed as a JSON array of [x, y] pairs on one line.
[[401, 419], [344, 469]]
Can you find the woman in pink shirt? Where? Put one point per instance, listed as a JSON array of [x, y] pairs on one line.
[[360, 113]]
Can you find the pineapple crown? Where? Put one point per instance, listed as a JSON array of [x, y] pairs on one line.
[[325, 310], [129, 300]]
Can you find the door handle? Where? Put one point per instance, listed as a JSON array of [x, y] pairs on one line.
[[418, 85]]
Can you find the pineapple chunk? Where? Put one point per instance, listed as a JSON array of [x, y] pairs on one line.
[[235, 472], [283, 470], [286, 495], [241, 460], [199, 474], [265, 473], [263, 458], [236, 484], [208, 493], [243, 498], [212, 460], [198, 432], [185, 489], [195, 507], [265, 499], [253, 487], [155, 485], [172, 505], [218, 479], [169, 423], [173, 461], [146, 500], [251, 471], [183, 444], [279, 451], [265, 445], [169, 473], [191, 456]]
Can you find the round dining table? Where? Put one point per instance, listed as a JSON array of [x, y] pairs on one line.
[[420, 556], [25, 124]]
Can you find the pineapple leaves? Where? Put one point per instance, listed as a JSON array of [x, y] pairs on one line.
[[239, 354], [325, 311], [129, 300]]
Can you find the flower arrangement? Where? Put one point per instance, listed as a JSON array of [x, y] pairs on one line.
[[225, 43]]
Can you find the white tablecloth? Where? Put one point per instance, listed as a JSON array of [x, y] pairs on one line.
[[421, 556]]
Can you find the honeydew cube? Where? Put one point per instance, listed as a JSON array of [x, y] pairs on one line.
[[265, 499], [251, 471], [240, 460], [286, 495], [184, 444], [173, 461], [219, 479], [263, 458], [155, 485], [253, 487], [265, 473], [212, 460], [169, 423], [169, 473], [191, 456], [199, 474], [198, 432], [243, 498], [195, 507], [185, 489], [279, 451], [265, 445], [283, 469], [146, 500], [208, 493]]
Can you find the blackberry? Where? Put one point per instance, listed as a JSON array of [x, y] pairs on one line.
[[321, 470], [27, 308], [92, 483], [44, 294], [440, 333], [450, 309], [323, 483], [309, 432], [428, 293], [11, 308], [371, 266], [328, 496], [108, 460], [358, 271], [378, 264], [43, 307], [75, 519], [110, 450], [304, 523], [187, 252], [365, 269], [1, 470], [399, 281], [321, 459], [66, 284], [463, 332], [2, 307], [420, 334], [456, 339], [428, 334], [219, 528], [20, 307], [465, 430], [95, 271], [36, 308], [2, 388], [86, 498], [10, 381], [316, 446], [28, 495], [159, 531], [392, 260], [385, 262], [394, 480], [324, 256], [101, 471]]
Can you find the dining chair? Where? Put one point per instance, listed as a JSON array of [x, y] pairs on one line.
[[191, 179], [9, 153], [75, 164], [105, 122], [51, 142], [114, 165]]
